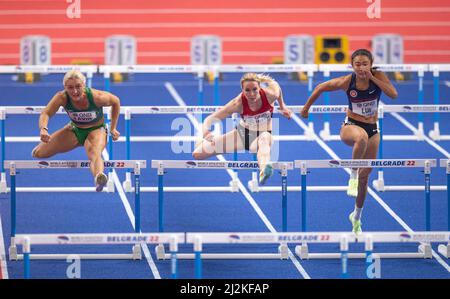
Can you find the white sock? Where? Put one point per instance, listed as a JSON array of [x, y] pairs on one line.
[[354, 174], [357, 213]]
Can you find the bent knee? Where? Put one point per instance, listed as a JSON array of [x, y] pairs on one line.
[[361, 139], [38, 153], [94, 153], [199, 156], [265, 136], [265, 139]]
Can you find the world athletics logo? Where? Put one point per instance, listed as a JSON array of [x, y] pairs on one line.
[[43, 164], [405, 237], [334, 163], [234, 238], [63, 239], [191, 164]]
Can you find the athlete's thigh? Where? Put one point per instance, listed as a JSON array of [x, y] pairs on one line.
[[61, 141], [228, 142], [371, 152], [350, 133], [96, 140], [262, 139], [372, 147]]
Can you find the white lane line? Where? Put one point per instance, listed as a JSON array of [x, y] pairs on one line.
[[130, 214], [370, 191], [243, 189], [3, 266]]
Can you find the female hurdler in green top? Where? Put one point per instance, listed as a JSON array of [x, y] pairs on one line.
[[84, 107]]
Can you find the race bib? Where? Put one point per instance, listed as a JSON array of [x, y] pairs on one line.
[[82, 117], [259, 121], [368, 108]]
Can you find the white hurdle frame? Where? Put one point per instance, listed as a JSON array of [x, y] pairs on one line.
[[435, 133], [162, 165], [27, 240], [253, 185], [382, 109], [379, 183], [424, 250], [13, 166], [342, 238]]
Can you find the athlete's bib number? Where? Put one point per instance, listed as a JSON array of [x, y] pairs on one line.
[[83, 117], [368, 108], [257, 121]]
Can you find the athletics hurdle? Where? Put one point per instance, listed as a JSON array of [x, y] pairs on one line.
[[89, 70], [183, 110], [445, 249], [128, 111], [342, 238], [162, 165], [378, 183], [13, 166], [101, 239], [436, 68], [424, 250]]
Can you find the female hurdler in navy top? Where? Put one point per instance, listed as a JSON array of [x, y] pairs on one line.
[[84, 106], [254, 131], [359, 130]]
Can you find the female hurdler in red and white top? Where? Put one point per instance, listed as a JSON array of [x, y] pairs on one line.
[[254, 131]]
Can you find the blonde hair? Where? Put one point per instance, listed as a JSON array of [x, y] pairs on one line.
[[74, 74], [260, 78]]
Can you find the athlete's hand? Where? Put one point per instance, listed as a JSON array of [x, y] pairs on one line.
[[368, 73], [115, 134], [208, 136], [45, 137], [305, 112], [365, 73], [286, 112]]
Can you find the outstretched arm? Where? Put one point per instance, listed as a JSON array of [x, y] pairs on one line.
[[231, 107], [274, 93], [284, 110], [330, 85]]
